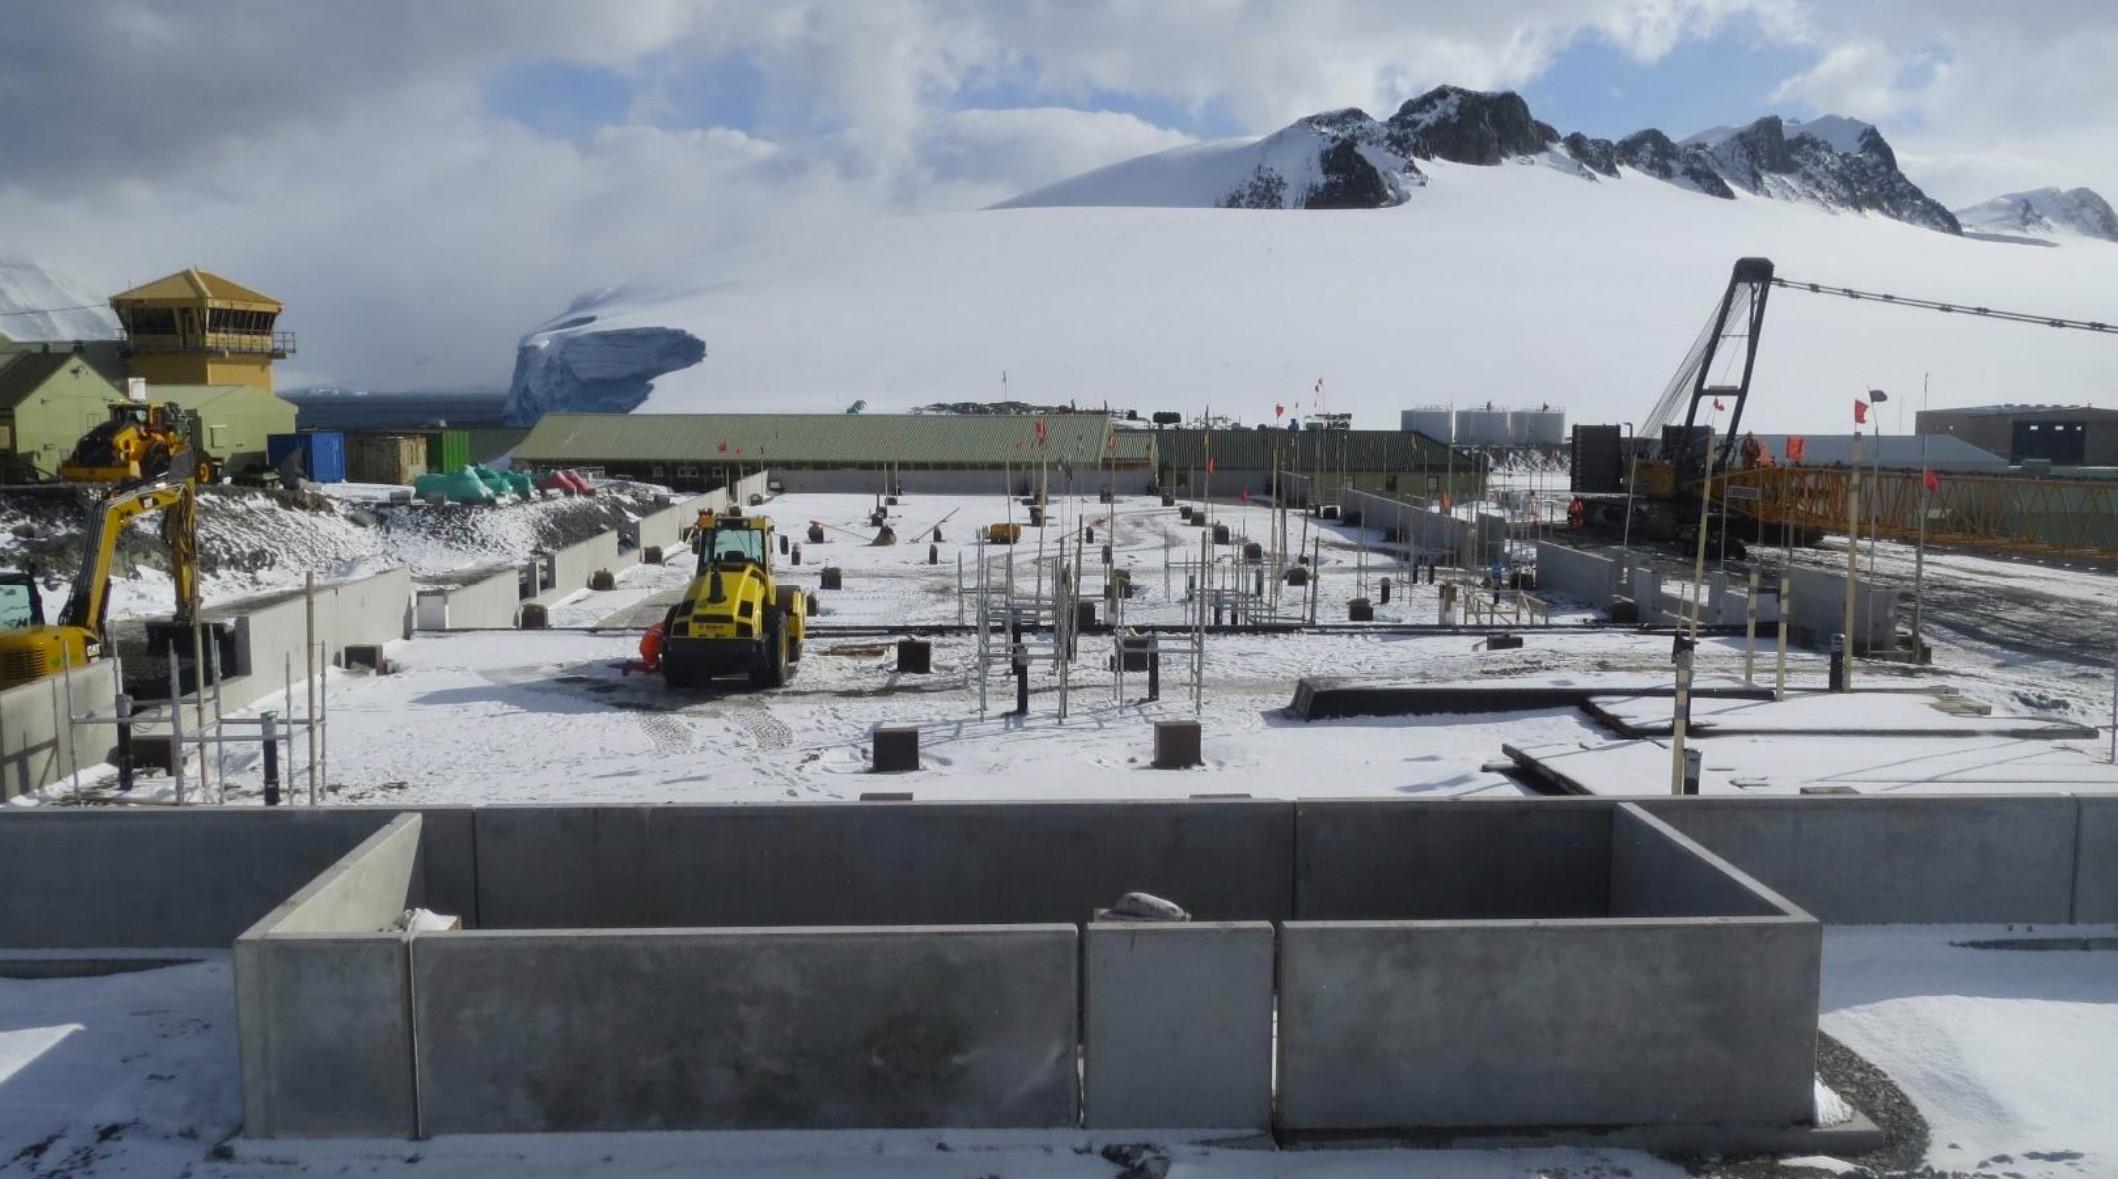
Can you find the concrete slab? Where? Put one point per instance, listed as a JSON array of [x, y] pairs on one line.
[[1179, 1025], [1774, 765], [1864, 714], [960, 1026]]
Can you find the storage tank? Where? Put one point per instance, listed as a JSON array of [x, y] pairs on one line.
[[1435, 421], [1537, 427], [1481, 427]]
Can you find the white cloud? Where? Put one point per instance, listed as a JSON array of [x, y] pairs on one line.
[[342, 156]]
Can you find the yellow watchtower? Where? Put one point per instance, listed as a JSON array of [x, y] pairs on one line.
[[197, 328]]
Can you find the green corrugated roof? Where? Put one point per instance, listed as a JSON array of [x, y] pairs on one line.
[[847, 439], [1354, 450]]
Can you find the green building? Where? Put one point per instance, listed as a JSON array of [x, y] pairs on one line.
[[50, 395], [233, 419], [1393, 463]]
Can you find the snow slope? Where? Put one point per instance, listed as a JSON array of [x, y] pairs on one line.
[[36, 306], [2047, 212], [1512, 283]]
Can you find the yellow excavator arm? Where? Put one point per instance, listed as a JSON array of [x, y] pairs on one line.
[[33, 652]]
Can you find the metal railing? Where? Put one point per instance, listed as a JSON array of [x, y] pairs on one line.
[[276, 344]]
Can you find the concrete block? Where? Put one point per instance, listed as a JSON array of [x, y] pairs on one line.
[[533, 617], [915, 656], [959, 1026], [1179, 1025], [1360, 610], [1298, 575], [896, 748], [562, 867], [602, 580], [1396, 1025], [1503, 642], [1383, 859], [832, 578], [957, 863], [1220, 534], [1884, 860], [1177, 745], [2096, 875], [1084, 615]]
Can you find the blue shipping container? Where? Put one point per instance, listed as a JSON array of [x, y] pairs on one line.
[[323, 454]]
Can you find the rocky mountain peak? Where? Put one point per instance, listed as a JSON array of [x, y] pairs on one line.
[[1468, 127]]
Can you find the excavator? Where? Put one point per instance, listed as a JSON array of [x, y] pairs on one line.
[[138, 441], [734, 616], [37, 650]]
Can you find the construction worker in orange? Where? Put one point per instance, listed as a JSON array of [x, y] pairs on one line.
[[1751, 452], [650, 651], [1576, 515]]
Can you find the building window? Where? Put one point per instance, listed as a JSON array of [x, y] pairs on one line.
[[687, 472], [655, 471]]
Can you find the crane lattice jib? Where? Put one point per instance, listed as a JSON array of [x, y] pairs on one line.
[[1814, 288]]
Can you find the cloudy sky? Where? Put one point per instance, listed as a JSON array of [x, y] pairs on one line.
[[423, 181]]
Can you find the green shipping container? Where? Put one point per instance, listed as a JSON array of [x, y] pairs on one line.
[[448, 450]]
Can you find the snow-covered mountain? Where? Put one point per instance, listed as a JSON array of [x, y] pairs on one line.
[[1518, 285], [1346, 159], [38, 307], [2046, 212]]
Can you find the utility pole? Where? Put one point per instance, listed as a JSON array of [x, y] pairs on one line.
[[1853, 558]]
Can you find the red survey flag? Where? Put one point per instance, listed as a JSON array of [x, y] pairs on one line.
[[1718, 407], [1246, 495], [1860, 412], [1279, 410], [1927, 477], [1795, 446]]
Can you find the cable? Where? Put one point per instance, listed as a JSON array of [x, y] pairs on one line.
[[56, 310], [2084, 325]]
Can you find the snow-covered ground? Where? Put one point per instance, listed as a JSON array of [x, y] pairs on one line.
[[2006, 1054]]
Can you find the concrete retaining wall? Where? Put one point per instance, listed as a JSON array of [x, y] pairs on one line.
[[1639, 1018], [32, 755], [1862, 861], [194, 877], [1179, 1025], [1472, 858], [323, 1012], [1582, 577], [479, 602], [272, 629], [966, 1026], [572, 566], [2096, 867], [1819, 610], [877, 863]]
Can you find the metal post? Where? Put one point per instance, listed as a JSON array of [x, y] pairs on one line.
[[271, 747], [176, 726], [1750, 630], [309, 674], [62, 734], [1680, 718], [1779, 683], [1853, 554], [198, 687], [220, 737], [121, 706]]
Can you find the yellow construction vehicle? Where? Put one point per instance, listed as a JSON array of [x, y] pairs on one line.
[[735, 616], [38, 649], [138, 441]]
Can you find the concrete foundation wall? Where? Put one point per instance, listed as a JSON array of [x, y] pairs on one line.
[[1819, 610], [2096, 869], [1864, 861], [323, 1012], [272, 629], [1386, 1025], [1179, 1025], [482, 603], [32, 755], [878, 863], [964, 1027], [1359, 859], [1657, 872], [1582, 577], [193, 877], [573, 565]]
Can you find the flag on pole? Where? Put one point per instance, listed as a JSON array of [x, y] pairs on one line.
[[1927, 477], [1795, 446], [1209, 464], [724, 447], [1860, 412], [1279, 409], [1246, 495], [1718, 407]]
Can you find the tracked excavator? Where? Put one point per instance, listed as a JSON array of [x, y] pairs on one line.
[[80, 634], [735, 616], [138, 441]]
